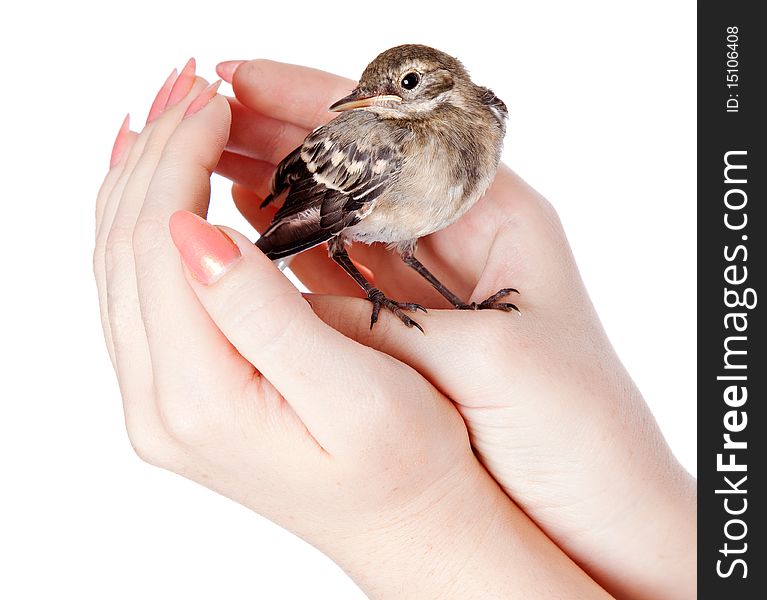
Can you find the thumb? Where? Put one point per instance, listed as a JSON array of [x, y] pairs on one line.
[[274, 328], [289, 93], [456, 354]]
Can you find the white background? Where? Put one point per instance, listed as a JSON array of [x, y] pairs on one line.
[[602, 100]]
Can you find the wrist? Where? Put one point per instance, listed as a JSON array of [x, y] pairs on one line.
[[420, 550], [657, 520], [639, 517], [462, 540]]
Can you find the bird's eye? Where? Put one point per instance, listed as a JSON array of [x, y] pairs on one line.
[[410, 80]]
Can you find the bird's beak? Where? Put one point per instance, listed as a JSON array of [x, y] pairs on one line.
[[358, 99]]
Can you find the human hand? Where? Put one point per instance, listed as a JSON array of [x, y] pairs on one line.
[[551, 411], [229, 378]]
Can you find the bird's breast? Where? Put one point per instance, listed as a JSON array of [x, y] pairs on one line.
[[437, 184]]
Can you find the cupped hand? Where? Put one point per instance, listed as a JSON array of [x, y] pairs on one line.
[[550, 410], [229, 378]]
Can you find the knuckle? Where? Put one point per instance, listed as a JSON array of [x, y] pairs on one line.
[[276, 142], [149, 449], [186, 428], [551, 215], [149, 232], [267, 320], [118, 249], [155, 144], [248, 71], [149, 443], [185, 419]]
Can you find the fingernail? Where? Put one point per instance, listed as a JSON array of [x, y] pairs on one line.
[[227, 68], [367, 273], [183, 84], [206, 250], [119, 146], [203, 99], [162, 97]]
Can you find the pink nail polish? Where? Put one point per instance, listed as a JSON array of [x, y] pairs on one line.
[[203, 99], [183, 84], [206, 251], [162, 97], [119, 146], [365, 271], [227, 68]]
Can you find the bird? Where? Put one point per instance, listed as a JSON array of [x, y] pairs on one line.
[[414, 147]]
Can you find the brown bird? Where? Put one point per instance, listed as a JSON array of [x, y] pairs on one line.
[[416, 145]]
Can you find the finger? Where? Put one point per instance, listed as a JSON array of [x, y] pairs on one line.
[[106, 256], [129, 197], [122, 207], [485, 337], [103, 255], [289, 93], [131, 349], [246, 172], [258, 136], [171, 93], [99, 269], [120, 150], [109, 198], [528, 247], [313, 267], [191, 360], [248, 202], [329, 381]]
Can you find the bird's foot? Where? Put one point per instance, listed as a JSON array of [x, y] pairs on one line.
[[378, 299], [492, 302]]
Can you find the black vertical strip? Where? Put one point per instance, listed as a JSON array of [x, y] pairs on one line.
[[732, 260]]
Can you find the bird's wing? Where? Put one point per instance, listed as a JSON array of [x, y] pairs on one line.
[[496, 105], [284, 175], [332, 180]]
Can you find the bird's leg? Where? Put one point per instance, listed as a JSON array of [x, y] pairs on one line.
[[377, 297], [492, 302]]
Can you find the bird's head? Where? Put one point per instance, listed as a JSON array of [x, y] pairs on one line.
[[408, 82]]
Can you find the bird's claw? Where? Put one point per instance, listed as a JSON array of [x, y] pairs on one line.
[[378, 299], [492, 302], [411, 306]]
